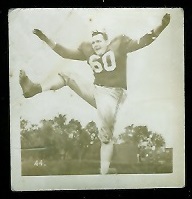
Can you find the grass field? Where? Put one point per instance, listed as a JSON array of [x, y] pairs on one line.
[[44, 162], [33, 167]]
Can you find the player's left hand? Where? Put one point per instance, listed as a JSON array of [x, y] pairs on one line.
[[166, 19], [40, 34]]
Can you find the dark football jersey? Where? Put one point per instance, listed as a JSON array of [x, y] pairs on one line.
[[110, 68]]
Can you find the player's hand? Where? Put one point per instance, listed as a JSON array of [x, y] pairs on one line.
[[166, 19], [40, 34]]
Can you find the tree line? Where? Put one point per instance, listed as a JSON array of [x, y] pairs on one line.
[[70, 140]]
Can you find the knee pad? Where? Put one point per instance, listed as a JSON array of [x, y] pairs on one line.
[[105, 136]]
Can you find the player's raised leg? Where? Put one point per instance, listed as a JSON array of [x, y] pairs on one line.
[[30, 88], [81, 87]]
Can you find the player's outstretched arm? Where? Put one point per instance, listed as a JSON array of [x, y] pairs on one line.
[[44, 38], [164, 23], [151, 36], [60, 50]]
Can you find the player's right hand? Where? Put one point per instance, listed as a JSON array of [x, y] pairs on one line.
[[40, 34]]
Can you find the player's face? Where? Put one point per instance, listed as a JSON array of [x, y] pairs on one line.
[[99, 44]]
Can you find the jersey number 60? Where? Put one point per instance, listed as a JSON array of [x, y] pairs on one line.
[[108, 60]]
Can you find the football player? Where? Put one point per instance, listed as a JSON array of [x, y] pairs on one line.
[[108, 60]]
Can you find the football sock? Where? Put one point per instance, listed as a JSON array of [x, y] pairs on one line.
[[104, 167]]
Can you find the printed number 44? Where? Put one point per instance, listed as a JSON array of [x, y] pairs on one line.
[[39, 163]]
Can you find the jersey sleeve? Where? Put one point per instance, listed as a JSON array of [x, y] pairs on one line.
[[70, 53], [129, 45], [86, 49]]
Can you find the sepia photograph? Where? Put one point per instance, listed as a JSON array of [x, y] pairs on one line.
[[96, 98]]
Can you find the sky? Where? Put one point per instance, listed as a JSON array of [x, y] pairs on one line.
[[155, 74]]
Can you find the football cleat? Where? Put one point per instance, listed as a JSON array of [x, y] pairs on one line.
[[29, 88]]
